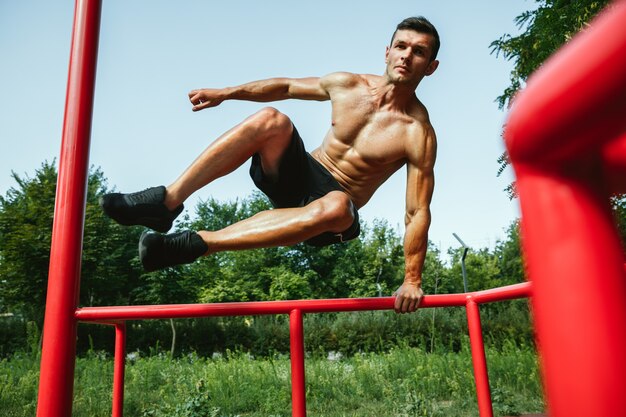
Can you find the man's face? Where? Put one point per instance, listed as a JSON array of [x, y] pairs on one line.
[[408, 57]]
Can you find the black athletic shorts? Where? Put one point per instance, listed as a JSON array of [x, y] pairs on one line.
[[301, 180]]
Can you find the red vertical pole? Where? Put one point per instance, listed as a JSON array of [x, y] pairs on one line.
[[575, 260], [298, 396], [118, 371], [562, 135], [478, 359], [59, 343]]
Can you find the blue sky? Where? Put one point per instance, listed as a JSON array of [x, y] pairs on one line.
[[153, 52]]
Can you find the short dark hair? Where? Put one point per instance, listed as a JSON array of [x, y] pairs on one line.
[[420, 24]]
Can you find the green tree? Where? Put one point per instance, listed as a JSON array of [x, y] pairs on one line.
[[509, 255], [487, 268], [231, 275], [552, 24], [110, 265], [482, 269], [379, 268], [25, 234], [287, 285], [322, 264], [436, 275], [109, 268], [367, 266], [619, 211], [546, 29]]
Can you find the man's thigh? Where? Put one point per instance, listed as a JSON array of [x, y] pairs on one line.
[[289, 187]]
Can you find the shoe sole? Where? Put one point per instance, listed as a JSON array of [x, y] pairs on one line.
[[144, 242]]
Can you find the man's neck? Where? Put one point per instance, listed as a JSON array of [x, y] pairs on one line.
[[394, 96]]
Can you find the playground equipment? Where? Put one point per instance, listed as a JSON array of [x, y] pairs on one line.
[[566, 139]]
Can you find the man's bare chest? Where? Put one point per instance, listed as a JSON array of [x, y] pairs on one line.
[[376, 137]]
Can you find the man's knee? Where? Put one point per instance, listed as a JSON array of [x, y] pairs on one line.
[[336, 211], [272, 122]]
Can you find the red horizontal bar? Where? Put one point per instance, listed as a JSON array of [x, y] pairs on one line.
[[284, 307], [509, 292]]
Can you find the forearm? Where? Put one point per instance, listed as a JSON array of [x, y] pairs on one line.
[[415, 245], [273, 89]]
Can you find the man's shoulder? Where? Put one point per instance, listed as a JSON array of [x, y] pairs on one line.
[[419, 114], [342, 79], [420, 139], [420, 127]]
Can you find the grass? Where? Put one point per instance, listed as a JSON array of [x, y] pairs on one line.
[[403, 382]]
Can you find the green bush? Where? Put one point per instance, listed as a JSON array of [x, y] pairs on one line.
[[12, 335]]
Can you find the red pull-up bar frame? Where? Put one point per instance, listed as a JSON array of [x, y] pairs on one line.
[[567, 141], [117, 316]]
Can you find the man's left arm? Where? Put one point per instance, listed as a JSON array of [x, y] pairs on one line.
[[420, 186]]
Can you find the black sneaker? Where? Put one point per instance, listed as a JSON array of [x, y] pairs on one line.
[[158, 251], [143, 208]]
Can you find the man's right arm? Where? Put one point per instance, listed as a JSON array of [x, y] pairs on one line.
[[273, 89]]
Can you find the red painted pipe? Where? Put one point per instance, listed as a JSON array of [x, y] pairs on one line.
[[284, 307], [111, 315], [59, 333], [296, 338], [509, 292], [118, 371], [479, 360], [561, 135], [614, 163]]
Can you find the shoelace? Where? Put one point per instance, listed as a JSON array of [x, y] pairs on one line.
[[147, 196], [179, 242]]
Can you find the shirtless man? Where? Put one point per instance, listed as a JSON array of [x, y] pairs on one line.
[[378, 125]]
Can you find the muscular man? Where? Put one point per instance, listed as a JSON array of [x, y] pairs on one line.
[[378, 125]]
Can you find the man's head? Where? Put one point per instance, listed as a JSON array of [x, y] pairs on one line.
[[420, 24], [412, 53]]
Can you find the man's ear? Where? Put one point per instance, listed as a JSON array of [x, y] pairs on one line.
[[432, 67], [386, 55]]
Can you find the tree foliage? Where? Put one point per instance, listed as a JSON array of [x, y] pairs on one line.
[[372, 265], [25, 234], [369, 266], [619, 212], [546, 28], [109, 267]]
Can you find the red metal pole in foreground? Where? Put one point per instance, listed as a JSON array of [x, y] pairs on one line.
[[481, 376], [579, 296], [59, 342], [118, 370], [298, 396], [557, 134]]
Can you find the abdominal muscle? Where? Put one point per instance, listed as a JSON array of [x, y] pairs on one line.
[[358, 178]]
